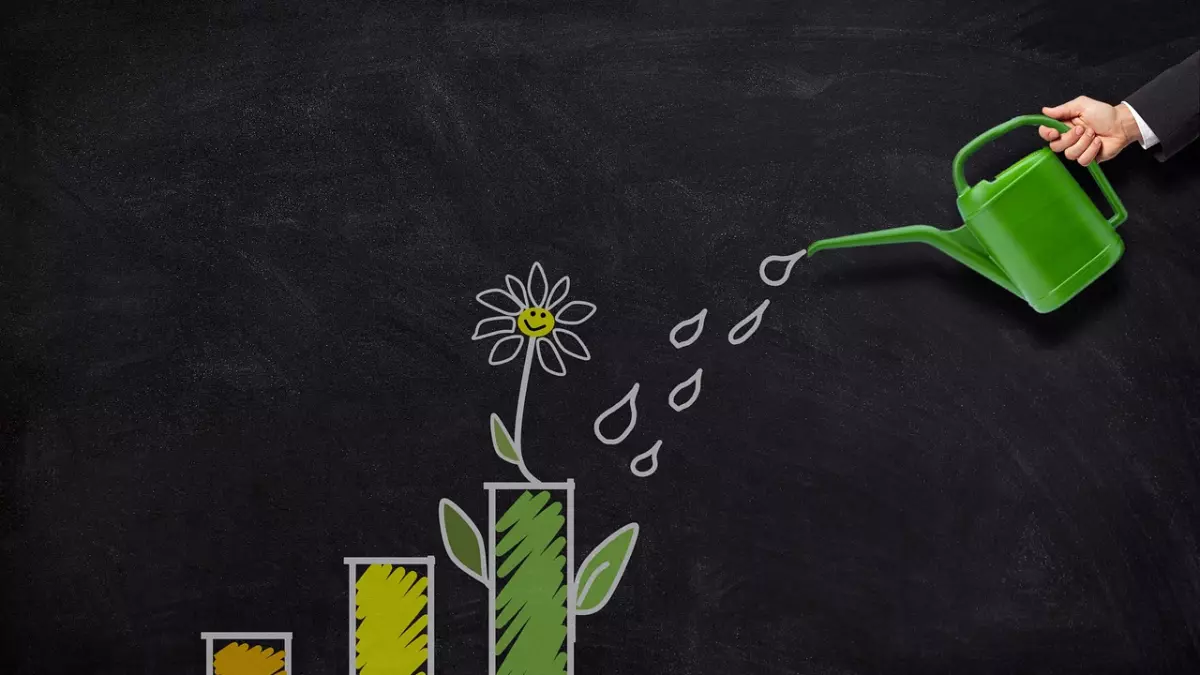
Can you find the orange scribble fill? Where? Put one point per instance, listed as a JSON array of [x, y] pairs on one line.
[[242, 659]]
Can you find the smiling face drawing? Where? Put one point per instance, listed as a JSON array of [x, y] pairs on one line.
[[536, 322]]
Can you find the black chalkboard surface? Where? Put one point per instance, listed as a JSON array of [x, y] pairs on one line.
[[239, 255]]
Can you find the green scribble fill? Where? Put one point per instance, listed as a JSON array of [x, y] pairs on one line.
[[531, 608]]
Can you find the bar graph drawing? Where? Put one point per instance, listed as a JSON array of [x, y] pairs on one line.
[[391, 616], [531, 555], [247, 653]]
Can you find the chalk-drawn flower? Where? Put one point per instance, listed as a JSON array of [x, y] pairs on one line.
[[533, 315], [533, 623], [530, 314]]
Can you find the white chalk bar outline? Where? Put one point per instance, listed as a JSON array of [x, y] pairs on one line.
[[568, 485], [209, 637], [406, 562], [492, 488]]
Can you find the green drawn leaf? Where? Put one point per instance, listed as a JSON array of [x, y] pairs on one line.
[[601, 571], [462, 540], [502, 442]]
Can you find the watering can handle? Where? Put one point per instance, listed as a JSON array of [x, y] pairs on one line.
[[960, 178]]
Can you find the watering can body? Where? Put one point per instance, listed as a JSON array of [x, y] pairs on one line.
[[1032, 229]]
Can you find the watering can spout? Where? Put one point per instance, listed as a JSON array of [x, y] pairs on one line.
[[959, 244]]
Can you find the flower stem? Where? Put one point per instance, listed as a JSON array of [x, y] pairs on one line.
[[521, 410]]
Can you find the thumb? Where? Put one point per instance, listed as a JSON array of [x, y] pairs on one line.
[[1066, 111]]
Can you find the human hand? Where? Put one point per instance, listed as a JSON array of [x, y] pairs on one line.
[[1098, 131]]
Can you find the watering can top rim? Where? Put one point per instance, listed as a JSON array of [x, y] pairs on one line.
[[961, 186], [1022, 166]]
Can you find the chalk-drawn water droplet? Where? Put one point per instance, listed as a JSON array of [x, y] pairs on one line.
[[629, 401], [695, 324], [746, 327], [690, 385], [776, 261], [646, 463]]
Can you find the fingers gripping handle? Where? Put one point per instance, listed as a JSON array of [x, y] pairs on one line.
[[960, 178]]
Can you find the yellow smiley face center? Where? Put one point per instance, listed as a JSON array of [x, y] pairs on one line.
[[536, 322]]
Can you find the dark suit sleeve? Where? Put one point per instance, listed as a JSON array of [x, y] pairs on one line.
[[1170, 105]]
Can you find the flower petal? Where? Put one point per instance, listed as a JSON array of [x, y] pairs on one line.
[[570, 343], [581, 311], [559, 292], [492, 326], [537, 286], [555, 366], [500, 301], [517, 289], [497, 357]]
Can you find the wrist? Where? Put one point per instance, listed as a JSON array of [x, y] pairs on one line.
[[1128, 125]]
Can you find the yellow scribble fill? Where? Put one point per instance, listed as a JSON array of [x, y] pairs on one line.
[[241, 659], [392, 638]]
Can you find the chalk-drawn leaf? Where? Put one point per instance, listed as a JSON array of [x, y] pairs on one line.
[[462, 540], [503, 443], [601, 571]]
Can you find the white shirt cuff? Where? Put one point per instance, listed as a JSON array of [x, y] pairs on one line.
[[1149, 140]]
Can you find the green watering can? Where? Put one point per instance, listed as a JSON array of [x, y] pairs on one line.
[[1032, 230]]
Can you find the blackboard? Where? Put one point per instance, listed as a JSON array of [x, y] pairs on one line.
[[241, 244]]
